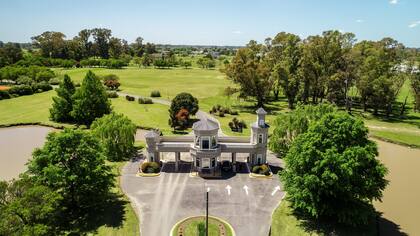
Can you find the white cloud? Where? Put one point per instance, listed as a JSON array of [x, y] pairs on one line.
[[360, 21], [393, 2], [414, 24], [236, 32]]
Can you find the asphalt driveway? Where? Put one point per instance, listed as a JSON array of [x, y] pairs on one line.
[[246, 203]]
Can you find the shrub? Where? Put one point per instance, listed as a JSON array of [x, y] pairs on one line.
[[221, 113], [42, 86], [111, 81], [112, 94], [145, 101], [129, 98], [261, 170], [54, 81], [234, 112], [155, 94], [150, 167], [4, 94], [21, 90], [23, 79]]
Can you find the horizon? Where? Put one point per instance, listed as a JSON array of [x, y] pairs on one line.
[[218, 23]]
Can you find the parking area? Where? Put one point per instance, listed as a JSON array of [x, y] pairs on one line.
[[246, 203]]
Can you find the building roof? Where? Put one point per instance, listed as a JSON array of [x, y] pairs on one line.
[[205, 124], [151, 134], [261, 111]]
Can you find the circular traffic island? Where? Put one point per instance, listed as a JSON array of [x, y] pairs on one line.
[[196, 225]]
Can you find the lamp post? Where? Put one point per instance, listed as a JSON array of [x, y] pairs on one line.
[[207, 211]]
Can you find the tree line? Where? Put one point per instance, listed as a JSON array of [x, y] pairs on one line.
[[332, 66]]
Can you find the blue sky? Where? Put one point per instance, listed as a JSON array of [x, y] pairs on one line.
[[216, 22]]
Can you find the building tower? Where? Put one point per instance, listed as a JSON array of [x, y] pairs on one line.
[[152, 138], [259, 136]]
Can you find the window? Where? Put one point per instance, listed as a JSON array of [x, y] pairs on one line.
[[259, 159], [205, 163], [260, 138], [213, 142], [261, 122], [197, 162], [205, 142], [152, 156], [213, 162]]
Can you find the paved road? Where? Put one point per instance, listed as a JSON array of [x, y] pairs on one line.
[[163, 201]]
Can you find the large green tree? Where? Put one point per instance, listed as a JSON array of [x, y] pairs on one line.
[[28, 209], [248, 70], [10, 53], [72, 163], [288, 126], [332, 171], [63, 103], [284, 56], [116, 133], [90, 100]]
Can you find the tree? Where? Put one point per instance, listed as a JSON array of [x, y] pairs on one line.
[[115, 47], [10, 53], [288, 126], [147, 60], [250, 73], [101, 37], [332, 171], [414, 76], [63, 103], [285, 57], [116, 133], [72, 163], [111, 81], [52, 44], [90, 101], [182, 101], [28, 209]]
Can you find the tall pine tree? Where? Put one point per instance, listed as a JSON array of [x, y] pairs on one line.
[[90, 101], [63, 103]]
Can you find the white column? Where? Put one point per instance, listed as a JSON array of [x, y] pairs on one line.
[[234, 161], [177, 157]]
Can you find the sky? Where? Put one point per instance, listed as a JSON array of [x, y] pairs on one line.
[[215, 22]]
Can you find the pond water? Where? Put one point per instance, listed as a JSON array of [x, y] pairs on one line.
[[401, 201], [16, 145], [400, 205]]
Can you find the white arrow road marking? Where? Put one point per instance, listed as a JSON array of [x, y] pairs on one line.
[[246, 189], [228, 188], [277, 188]]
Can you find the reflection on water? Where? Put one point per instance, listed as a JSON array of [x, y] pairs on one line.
[[16, 145], [401, 201]]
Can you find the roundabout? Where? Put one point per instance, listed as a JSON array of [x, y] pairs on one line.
[[195, 225]]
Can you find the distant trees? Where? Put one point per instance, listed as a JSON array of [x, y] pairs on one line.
[[10, 53], [332, 171], [90, 101], [116, 133], [206, 62], [182, 106], [63, 103], [250, 73]]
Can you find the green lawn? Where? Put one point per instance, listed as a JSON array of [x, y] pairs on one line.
[[192, 230], [285, 223], [130, 224]]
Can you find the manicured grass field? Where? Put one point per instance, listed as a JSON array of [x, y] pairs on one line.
[[130, 224]]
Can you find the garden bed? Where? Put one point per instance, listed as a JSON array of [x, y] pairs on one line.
[[193, 226]]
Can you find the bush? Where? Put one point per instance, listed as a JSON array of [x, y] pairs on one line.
[[155, 94], [23, 79], [221, 113], [145, 101], [21, 90], [129, 98], [54, 81], [42, 86], [150, 167], [236, 125], [4, 94], [234, 112], [261, 170], [112, 94]]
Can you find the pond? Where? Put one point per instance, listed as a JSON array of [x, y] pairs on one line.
[[16, 145]]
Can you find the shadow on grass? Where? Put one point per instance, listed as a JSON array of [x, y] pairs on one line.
[[377, 226]]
